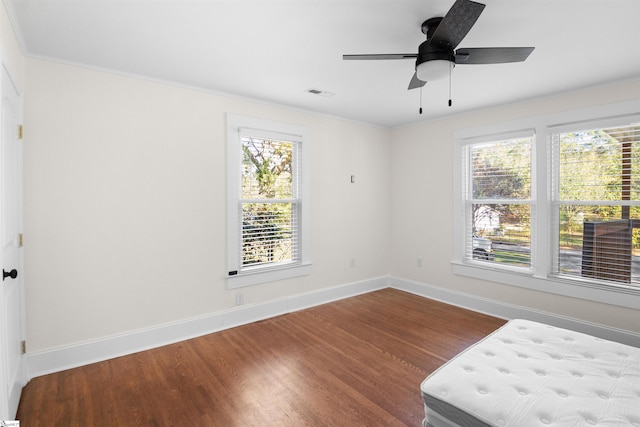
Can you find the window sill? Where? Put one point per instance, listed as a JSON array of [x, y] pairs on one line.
[[264, 276], [629, 298]]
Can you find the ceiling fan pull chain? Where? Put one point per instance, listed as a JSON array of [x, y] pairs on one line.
[[420, 110], [450, 67]]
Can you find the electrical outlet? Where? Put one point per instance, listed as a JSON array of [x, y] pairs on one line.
[[239, 298], [419, 261]]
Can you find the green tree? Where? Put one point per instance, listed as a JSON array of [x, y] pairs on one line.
[[266, 178], [598, 165], [502, 171]]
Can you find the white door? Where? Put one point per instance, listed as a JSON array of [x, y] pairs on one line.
[[11, 369]]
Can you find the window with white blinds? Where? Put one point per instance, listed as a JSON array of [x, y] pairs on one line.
[[498, 194], [268, 201], [596, 202], [552, 203]]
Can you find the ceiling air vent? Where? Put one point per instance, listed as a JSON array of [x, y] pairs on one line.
[[320, 92]]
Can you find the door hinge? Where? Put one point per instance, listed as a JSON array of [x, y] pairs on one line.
[[19, 131], [23, 346], [20, 240]]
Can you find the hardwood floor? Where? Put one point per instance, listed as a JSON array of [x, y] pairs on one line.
[[358, 361]]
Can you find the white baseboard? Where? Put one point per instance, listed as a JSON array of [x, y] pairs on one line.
[[84, 353], [71, 356], [510, 311]]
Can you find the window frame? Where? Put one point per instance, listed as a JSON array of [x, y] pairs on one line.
[[237, 126], [470, 200], [540, 276], [555, 200]]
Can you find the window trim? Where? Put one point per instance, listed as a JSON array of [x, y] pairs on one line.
[[468, 184], [540, 278], [555, 200], [236, 124]]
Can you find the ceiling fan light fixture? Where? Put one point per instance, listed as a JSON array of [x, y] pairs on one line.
[[434, 70]]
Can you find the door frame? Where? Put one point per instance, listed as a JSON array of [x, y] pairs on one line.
[[11, 397]]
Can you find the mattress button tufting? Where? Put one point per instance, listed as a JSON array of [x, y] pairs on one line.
[[532, 352]]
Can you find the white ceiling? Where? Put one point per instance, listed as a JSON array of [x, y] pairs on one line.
[[277, 50]]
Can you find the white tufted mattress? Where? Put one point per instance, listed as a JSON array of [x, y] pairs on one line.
[[532, 374]]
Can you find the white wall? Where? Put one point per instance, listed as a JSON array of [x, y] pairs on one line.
[[125, 203], [421, 205]]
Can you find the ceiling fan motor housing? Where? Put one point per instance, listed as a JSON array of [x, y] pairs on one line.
[[426, 53]]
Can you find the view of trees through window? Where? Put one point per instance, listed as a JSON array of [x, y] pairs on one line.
[[598, 193], [268, 202], [596, 203], [501, 193]]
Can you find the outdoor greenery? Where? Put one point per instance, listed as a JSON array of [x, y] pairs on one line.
[[501, 171], [268, 213], [598, 166], [501, 183], [598, 171]]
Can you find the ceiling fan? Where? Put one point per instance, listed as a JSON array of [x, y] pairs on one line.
[[436, 56]]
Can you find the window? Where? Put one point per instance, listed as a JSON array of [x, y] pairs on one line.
[[555, 207], [596, 203], [498, 201], [268, 200]]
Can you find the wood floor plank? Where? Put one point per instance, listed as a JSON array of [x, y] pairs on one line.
[[357, 361]]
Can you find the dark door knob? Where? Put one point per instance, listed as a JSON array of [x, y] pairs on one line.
[[13, 274]]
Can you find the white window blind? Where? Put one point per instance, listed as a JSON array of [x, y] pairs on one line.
[[584, 203], [270, 201], [498, 194], [596, 203]]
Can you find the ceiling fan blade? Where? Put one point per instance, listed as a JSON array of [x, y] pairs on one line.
[[492, 55], [415, 82], [382, 56], [456, 24]]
